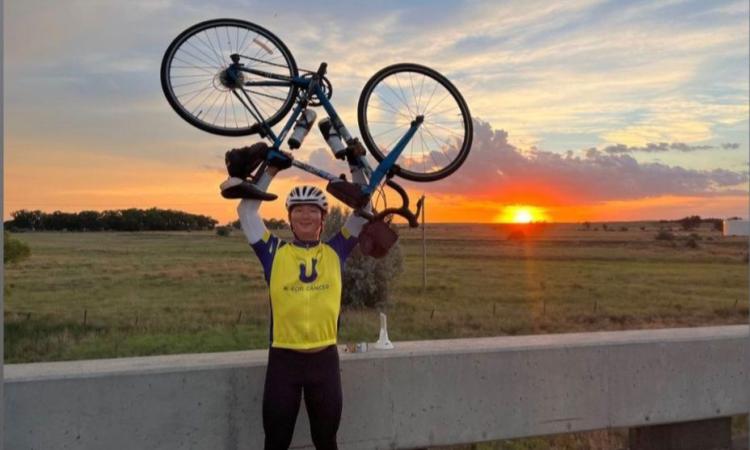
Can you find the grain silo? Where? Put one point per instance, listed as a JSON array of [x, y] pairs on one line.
[[736, 227]]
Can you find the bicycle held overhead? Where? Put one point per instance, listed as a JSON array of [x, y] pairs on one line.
[[234, 78]]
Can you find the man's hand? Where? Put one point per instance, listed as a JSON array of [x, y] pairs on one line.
[[276, 164]]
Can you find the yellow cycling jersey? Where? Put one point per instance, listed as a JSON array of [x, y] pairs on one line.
[[304, 280]]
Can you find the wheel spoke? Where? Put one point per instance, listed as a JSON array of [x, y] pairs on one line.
[[430, 99], [182, 49], [193, 66], [193, 91], [211, 46], [395, 109], [406, 102], [447, 95], [188, 83], [448, 130], [386, 131]]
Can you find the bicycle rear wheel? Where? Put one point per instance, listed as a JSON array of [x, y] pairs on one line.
[[393, 98], [195, 80]]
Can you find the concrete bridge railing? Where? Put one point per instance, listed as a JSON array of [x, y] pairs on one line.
[[420, 394]]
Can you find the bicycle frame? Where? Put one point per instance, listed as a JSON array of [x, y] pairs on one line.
[[312, 85]]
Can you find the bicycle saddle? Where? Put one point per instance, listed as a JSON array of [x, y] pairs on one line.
[[238, 188]]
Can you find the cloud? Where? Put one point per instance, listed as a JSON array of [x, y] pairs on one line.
[[497, 170], [653, 147]]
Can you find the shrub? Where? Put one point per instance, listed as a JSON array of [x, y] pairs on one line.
[[366, 281], [275, 224], [690, 222], [691, 243], [224, 231], [14, 250], [623, 228], [334, 221], [664, 235]]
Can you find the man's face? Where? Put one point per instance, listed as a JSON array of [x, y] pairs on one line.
[[306, 221]]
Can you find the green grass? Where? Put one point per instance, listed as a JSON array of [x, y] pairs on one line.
[[152, 292], [101, 295]]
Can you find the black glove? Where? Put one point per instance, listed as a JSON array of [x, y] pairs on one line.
[[280, 161], [241, 162]]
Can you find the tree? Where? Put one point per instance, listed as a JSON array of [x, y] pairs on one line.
[[25, 220], [366, 280], [690, 222], [131, 219]]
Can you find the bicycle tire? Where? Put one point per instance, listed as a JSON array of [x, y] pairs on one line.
[[203, 49], [462, 131]]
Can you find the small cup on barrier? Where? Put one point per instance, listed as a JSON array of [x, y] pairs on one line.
[[359, 347]]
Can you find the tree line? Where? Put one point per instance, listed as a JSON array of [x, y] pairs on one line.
[[131, 219]]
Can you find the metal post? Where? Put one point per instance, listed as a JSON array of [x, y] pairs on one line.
[[2, 299], [424, 250]]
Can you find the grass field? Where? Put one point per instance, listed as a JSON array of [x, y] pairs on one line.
[[99, 295], [95, 295]]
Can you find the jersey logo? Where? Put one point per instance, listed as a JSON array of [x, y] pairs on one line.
[[303, 277]]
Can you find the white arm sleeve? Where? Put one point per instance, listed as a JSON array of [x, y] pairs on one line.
[[252, 224], [355, 223]]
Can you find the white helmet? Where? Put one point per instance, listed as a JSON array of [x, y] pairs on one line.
[[307, 195]]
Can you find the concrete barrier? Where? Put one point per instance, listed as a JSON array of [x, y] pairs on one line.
[[420, 394]]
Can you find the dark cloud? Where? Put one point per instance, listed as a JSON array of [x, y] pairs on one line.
[[499, 171], [654, 147]]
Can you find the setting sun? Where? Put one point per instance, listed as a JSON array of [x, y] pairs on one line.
[[521, 214]]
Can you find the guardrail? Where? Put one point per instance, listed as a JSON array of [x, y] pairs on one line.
[[420, 394]]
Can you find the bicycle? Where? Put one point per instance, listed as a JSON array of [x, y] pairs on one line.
[[235, 78]]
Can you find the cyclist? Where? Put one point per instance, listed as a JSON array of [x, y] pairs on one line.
[[304, 279]]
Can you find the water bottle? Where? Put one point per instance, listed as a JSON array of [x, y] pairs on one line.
[[332, 138], [303, 125]]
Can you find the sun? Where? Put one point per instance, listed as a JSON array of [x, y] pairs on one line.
[[521, 214]]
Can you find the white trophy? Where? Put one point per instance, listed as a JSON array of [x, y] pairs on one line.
[[383, 342]]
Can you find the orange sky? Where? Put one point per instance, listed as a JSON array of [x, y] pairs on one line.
[[65, 183], [92, 130]]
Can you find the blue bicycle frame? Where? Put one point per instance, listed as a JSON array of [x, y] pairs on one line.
[[312, 85]]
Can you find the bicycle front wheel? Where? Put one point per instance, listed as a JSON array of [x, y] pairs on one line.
[[199, 88], [393, 98]]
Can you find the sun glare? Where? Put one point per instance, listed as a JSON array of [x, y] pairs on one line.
[[521, 214]]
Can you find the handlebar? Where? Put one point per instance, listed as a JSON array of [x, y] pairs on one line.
[[403, 211]]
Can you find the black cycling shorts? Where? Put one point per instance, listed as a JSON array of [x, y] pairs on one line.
[[288, 376]]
